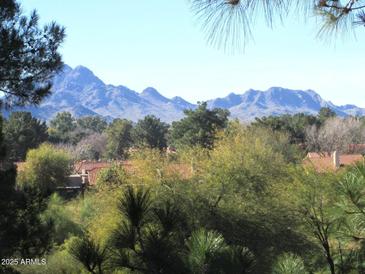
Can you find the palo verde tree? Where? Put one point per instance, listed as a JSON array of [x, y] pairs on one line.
[[228, 23], [29, 55], [45, 169]]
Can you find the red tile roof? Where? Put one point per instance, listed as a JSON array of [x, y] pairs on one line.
[[324, 162], [93, 168], [88, 166]]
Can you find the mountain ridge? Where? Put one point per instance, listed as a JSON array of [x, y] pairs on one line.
[[79, 91]]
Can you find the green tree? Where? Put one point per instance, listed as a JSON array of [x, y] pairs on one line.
[[46, 168], [150, 132], [35, 235], [199, 127], [2, 145], [92, 123], [29, 55], [119, 138], [58, 214], [29, 59], [8, 212], [22, 230], [324, 114], [318, 210], [61, 127], [295, 125], [351, 202], [22, 132]]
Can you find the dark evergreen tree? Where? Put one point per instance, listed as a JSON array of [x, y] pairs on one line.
[[61, 127], [92, 123], [119, 138], [150, 132], [294, 125], [29, 55], [22, 132], [325, 113], [199, 127]]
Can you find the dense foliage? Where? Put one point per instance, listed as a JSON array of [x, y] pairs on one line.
[[150, 132], [23, 132], [119, 135], [199, 127], [243, 204], [45, 169], [232, 198]]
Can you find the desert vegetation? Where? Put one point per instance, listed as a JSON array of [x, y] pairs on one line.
[[206, 194]]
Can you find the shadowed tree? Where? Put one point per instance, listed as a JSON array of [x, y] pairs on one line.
[[29, 56], [22, 132], [29, 59], [154, 238], [92, 256]]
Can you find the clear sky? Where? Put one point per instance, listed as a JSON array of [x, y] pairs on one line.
[[159, 43]]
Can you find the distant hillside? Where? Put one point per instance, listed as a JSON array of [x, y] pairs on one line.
[[80, 92], [278, 101]]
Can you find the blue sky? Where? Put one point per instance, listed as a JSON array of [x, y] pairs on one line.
[[159, 43]]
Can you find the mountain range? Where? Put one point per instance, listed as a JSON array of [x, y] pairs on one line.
[[82, 93]]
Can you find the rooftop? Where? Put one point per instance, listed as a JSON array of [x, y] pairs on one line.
[[323, 162]]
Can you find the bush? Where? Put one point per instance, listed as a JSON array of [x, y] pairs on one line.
[[46, 168]]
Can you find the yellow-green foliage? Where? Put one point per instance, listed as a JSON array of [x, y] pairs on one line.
[[151, 167], [45, 168], [243, 167], [60, 215], [96, 212], [59, 261], [112, 177], [148, 165]]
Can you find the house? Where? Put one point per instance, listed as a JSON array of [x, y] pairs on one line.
[[323, 162], [90, 170]]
